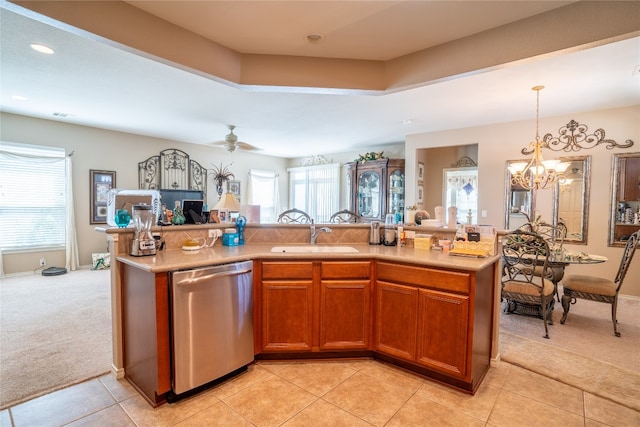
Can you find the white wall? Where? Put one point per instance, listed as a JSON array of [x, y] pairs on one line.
[[501, 142], [120, 152]]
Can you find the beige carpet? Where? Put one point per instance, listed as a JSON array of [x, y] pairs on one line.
[[583, 352], [54, 331]]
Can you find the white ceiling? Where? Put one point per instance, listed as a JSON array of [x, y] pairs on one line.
[[105, 85]]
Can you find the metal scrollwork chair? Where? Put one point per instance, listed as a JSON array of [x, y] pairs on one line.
[[525, 287], [599, 289], [294, 216], [345, 216], [554, 236]]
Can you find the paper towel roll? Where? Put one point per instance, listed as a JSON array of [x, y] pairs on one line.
[[439, 212], [452, 220]]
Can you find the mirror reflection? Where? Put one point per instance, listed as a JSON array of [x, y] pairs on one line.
[[519, 202], [571, 199], [625, 198]]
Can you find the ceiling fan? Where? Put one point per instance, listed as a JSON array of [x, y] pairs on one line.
[[231, 142]]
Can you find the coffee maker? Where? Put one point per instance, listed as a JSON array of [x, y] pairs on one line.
[[143, 241]]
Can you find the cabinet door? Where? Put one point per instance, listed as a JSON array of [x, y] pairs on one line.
[[287, 315], [396, 320], [344, 314], [395, 191], [630, 179], [443, 319], [370, 194]]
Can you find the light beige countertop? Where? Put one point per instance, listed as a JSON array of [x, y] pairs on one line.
[[172, 259]]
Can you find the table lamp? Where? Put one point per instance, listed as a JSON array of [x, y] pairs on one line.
[[229, 202]]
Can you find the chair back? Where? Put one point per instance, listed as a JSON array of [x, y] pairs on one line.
[[627, 255], [345, 216], [294, 216], [553, 234], [525, 258]]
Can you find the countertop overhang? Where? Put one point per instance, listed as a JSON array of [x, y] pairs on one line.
[[174, 260]]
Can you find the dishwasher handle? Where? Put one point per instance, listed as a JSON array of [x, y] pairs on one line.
[[228, 273]]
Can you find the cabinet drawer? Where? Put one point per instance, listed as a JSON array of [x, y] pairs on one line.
[[287, 270], [346, 270], [440, 279]]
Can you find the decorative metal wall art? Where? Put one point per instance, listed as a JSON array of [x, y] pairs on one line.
[[573, 137], [172, 169], [464, 162]]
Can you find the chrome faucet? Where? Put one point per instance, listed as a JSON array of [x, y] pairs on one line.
[[314, 233]]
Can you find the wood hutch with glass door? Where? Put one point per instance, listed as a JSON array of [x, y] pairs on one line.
[[376, 188]]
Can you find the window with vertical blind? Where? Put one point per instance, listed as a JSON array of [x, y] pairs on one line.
[[315, 190], [32, 197]]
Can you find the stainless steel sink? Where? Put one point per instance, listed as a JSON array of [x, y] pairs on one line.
[[314, 249]]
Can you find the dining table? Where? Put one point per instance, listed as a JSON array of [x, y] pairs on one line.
[[559, 260]]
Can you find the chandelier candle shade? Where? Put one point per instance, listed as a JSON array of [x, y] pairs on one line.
[[538, 173]]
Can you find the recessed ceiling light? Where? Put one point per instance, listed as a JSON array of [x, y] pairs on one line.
[[19, 97], [314, 37], [42, 48], [407, 121]]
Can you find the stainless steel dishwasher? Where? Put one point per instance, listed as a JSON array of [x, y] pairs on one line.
[[212, 330]]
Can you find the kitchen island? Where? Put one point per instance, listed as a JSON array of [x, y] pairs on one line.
[[422, 310]]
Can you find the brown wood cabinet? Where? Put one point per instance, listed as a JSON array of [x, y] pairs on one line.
[[315, 306], [345, 307], [443, 331], [434, 321], [628, 196], [376, 187], [629, 187], [424, 316], [396, 320], [146, 334], [287, 295]]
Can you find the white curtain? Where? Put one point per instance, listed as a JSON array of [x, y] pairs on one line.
[[263, 189], [71, 245]]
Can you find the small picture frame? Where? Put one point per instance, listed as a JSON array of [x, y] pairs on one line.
[[420, 197], [223, 214], [100, 183], [213, 216], [234, 187], [420, 171]]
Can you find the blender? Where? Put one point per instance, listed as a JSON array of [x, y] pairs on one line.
[[143, 241]]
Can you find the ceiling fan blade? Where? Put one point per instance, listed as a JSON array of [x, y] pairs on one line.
[[231, 143]]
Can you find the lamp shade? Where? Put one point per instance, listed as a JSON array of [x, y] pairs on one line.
[[228, 201]]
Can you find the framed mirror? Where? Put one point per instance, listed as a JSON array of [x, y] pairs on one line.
[[625, 198], [519, 202], [571, 199]]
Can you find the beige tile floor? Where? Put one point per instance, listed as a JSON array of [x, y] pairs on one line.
[[350, 393]]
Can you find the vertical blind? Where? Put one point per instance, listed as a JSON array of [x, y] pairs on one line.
[[315, 190], [32, 197]]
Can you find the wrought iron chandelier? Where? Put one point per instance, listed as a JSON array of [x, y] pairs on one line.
[[538, 173]]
